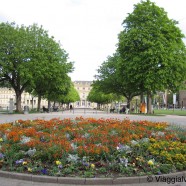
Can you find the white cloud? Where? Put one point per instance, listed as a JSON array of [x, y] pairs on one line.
[[87, 29]]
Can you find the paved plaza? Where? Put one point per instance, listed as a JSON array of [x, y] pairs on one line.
[[4, 118], [178, 120]]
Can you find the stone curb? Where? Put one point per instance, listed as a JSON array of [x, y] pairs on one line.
[[91, 181]]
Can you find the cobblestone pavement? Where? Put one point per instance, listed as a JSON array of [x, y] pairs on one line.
[[178, 120]]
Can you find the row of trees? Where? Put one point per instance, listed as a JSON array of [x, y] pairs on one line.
[[32, 61], [102, 98], [150, 56]]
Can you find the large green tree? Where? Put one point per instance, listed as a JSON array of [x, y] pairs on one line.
[[152, 51], [109, 79], [14, 58], [51, 80], [71, 96], [30, 58], [100, 97]]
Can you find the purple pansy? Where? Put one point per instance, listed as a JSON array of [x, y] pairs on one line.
[[44, 171], [1, 155], [19, 161]]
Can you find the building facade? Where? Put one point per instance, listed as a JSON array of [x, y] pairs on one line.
[[182, 98], [26, 99], [83, 88]]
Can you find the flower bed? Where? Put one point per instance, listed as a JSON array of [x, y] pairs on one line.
[[88, 147]]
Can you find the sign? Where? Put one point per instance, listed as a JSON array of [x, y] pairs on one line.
[[11, 105], [174, 99]]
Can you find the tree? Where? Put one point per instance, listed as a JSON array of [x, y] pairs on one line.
[[70, 97], [110, 81], [52, 78], [14, 57], [152, 51], [30, 59], [98, 96]]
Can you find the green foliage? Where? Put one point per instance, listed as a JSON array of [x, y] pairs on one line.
[[110, 81], [150, 56], [97, 96], [71, 96], [32, 60], [152, 49]]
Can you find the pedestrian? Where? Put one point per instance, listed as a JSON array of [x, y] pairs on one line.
[[71, 108]]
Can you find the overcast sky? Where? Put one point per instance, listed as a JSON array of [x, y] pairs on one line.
[[87, 29]]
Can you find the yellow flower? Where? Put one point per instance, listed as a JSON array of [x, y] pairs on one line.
[[92, 166], [150, 162], [58, 162], [24, 163], [152, 140], [1, 139], [29, 169]]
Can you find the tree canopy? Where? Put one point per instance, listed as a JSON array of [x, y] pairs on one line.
[[150, 55], [100, 97], [110, 81], [152, 50], [31, 59], [71, 96]]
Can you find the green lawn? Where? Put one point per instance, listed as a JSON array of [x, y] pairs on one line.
[[178, 112]]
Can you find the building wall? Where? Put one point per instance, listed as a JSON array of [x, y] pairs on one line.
[[5, 96], [83, 88], [26, 99], [182, 98]]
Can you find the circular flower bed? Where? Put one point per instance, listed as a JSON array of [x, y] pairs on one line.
[[88, 147]]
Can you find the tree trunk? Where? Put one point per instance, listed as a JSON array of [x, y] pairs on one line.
[[128, 103], [141, 98], [32, 103], [18, 101], [129, 99], [49, 105], [39, 103], [149, 103]]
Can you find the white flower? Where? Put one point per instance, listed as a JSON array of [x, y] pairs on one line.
[[124, 161], [72, 157], [122, 148], [145, 140], [160, 133], [68, 136], [86, 135], [4, 137], [25, 139], [31, 152], [113, 133], [133, 142], [74, 146], [153, 134]]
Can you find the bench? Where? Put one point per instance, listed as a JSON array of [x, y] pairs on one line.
[[112, 110], [55, 109], [45, 109]]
